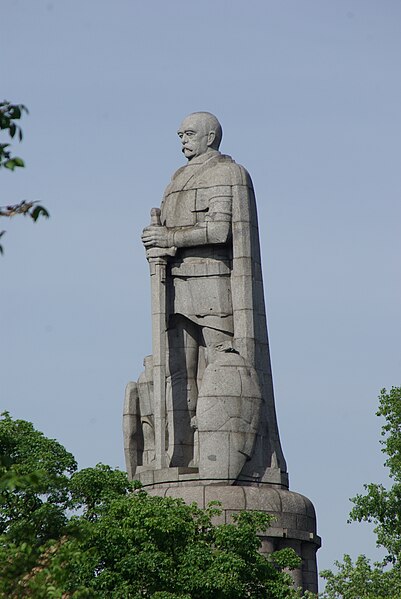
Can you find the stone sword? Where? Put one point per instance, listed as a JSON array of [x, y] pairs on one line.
[[157, 258]]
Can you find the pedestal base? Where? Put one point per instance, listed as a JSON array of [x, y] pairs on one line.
[[294, 525]]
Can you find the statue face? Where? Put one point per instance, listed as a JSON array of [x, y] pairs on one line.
[[195, 136]]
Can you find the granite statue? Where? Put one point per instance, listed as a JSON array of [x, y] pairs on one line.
[[217, 412], [200, 422]]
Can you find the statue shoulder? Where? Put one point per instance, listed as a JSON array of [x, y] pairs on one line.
[[225, 171], [175, 180]]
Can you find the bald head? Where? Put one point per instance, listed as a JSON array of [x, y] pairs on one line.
[[212, 124], [199, 132]]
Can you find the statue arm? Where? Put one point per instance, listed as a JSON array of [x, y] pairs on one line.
[[216, 229], [202, 234]]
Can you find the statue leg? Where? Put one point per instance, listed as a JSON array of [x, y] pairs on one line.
[[215, 341], [182, 391]]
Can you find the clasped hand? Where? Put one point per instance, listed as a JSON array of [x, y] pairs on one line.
[[155, 237]]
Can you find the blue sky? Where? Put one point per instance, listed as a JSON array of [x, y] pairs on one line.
[[308, 93]]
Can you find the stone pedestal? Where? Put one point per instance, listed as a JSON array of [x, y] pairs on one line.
[[206, 396], [295, 519]]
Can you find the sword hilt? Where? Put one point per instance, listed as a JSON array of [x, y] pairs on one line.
[[155, 217]]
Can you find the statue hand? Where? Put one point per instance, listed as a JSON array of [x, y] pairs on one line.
[[155, 237]]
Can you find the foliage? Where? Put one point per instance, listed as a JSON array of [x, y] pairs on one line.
[[34, 475], [379, 505], [34, 497], [26, 208], [362, 580], [143, 546], [9, 114], [382, 507], [89, 533]]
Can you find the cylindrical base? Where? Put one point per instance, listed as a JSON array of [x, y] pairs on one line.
[[294, 525]]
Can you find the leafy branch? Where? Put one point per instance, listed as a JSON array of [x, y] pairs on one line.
[[26, 208], [9, 114]]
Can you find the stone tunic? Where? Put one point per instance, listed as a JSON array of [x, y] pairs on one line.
[[221, 285], [199, 284]]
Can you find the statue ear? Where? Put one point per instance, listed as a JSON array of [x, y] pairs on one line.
[[211, 137]]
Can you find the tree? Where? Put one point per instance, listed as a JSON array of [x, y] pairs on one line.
[[382, 507], [91, 533], [9, 114], [362, 580]]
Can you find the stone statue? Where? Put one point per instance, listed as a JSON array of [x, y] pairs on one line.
[[200, 422], [219, 406]]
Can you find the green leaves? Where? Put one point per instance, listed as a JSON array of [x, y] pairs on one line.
[[34, 497], [361, 580], [11, 163], [67, 533], [26, 208], [390, 409], [382, 507], [38, 211], [143, 546], [9, 113], [93, 488]]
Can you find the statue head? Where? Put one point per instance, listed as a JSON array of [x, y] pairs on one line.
[[199, 132]]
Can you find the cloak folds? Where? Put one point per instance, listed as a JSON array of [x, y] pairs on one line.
[[250, 328], [189, 185], [196, 190]]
